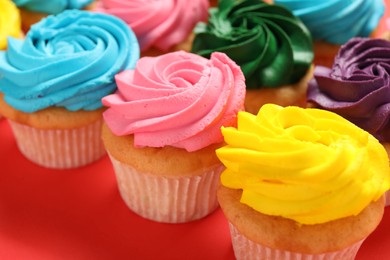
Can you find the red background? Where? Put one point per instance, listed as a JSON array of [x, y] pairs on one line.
[[78, 214]]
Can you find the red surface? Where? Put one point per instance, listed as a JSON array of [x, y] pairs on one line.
[[78, 214]]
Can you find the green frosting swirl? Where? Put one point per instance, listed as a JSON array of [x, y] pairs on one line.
[[272, 46]]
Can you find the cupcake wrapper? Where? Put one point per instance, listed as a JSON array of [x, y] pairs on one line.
[[247, 249], [387, 198], [168, 199], [60, 148]]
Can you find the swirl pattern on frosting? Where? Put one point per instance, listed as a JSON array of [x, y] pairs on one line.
[[357, 87], [10, 23], [161, 24], [271, 45], [308, 165], [337, 21], [178, 99], [51, 6], [68, 60]]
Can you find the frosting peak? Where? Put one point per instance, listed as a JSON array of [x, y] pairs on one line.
[[357, 87], [337, 21], [309, 165], [271, 45], [178, 99], [68, 60], [161, 24]]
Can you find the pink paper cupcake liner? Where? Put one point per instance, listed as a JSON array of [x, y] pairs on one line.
[[60, 148], [387, 198], [247, 249], [168, 199]]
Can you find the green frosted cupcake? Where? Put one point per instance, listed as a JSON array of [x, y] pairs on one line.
[[272, 46]]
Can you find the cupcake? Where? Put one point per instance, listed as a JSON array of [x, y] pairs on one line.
[[357, 87], [10, 25], [32, 11], [386, 34], [160, 26], [272, 46], [53, 81], [213, 3], [300, 184], [333, 23], [162, 127]]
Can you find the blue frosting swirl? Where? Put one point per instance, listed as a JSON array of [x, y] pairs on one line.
[[68, 60], [51, 6], [337, 21]]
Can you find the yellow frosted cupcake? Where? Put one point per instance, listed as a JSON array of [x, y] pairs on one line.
[[301, 184], [356, 87], [10, 25]]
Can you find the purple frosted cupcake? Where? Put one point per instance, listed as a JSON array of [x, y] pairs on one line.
[[357, 86]]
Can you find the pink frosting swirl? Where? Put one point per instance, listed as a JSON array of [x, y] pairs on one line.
[[159, 23], [178, 99]]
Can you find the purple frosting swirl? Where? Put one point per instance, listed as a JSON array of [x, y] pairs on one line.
[[357, 87]]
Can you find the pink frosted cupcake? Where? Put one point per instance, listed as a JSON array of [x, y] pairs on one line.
[[161, 130], [160, 26], [301, 184]]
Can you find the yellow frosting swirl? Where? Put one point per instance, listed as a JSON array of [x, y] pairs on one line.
[[309, 165], [10, 22]]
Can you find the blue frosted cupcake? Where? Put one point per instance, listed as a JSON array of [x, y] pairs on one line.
[[333, 23], [53, 81], [32, 11]]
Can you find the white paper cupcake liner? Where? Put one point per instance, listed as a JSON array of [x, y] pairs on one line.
[[60, 148], [168, 200], [247, 249]]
